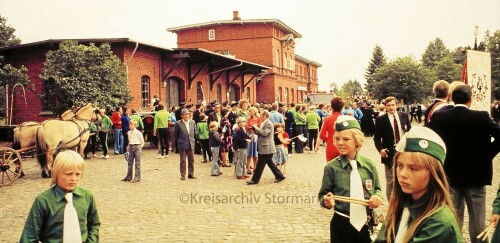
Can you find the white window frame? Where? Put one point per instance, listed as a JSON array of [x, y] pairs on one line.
[[211, 34]]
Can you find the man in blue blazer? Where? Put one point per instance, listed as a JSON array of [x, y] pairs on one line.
[[185, 132], [472, 140]]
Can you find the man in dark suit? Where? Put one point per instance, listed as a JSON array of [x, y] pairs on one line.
[[185, 132], [468, 165], [266, 149], [440, 90], [196, 119], [215, 115], [232, 116], [389, 128]]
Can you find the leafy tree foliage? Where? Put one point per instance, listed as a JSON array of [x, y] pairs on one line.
[[435, 51], [78, 74], [334, 87], [492, 44], [350, 89], [10, 75], [447, 69], [378, 60], [403, 78], [459, 54], [7, 37]]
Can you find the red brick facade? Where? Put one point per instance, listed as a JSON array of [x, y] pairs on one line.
[[163, 68], [267, 42]]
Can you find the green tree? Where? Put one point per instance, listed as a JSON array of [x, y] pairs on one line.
[[350, 89], [378, 60], [78, 74], [446, 69], [459, 54], [435, 51], [492, 44], [403, 78], [7, 37], [10, 75], [334, 87]]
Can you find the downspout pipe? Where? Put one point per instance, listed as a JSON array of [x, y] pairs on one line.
[[130, 59]]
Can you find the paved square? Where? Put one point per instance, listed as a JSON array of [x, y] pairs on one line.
[[162, 208]]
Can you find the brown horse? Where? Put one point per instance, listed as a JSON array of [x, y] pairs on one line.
[[60, 134]]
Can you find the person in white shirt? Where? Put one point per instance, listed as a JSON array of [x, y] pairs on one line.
[[136, 142]]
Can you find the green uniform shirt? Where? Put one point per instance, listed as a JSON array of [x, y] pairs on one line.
[[45, 219], [202, 130], [300, 118], [496, 203], [312, 120], [161, 119], [496, 210], [441, 226], [242, 113], [337, 177], [106, 123], [137, 118]]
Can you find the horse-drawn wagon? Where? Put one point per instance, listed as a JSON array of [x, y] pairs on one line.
[[44, 139], [10, 159]]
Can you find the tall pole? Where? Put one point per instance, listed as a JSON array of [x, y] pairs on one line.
[[476, 32]]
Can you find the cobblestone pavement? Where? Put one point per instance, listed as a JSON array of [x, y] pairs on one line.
[[163, 208]]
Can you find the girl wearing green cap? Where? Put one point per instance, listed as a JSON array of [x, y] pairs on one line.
[[420, 209]]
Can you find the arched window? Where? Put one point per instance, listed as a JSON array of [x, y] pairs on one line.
[[199, 92], [248, 94], [219, 93], [145, 91], [292, 94], [279, 95]]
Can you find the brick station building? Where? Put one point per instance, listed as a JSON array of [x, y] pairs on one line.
[[181, 74], [268, 42], [220, 60]]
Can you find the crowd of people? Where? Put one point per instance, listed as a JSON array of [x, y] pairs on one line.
[[425, 167]]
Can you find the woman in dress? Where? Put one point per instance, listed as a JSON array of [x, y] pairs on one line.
[[253, 119]]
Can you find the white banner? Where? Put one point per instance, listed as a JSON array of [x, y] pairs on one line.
[[479, 78]]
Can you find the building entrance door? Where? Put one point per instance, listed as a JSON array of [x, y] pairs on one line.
[[172, 92], [234, 93]]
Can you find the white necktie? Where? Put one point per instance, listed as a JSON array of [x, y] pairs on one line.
[[403, 226], [358, 212], [71, 227]]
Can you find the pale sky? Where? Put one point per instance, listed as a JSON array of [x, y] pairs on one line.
[[339, 34]]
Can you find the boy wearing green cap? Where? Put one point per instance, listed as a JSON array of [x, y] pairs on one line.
[[420, 209], [350, 175]]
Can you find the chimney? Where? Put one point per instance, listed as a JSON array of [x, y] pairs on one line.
[[236, 15]]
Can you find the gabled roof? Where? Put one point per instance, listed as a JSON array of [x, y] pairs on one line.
[[197, 53], [274, 22], [307, 61], [93, 40]]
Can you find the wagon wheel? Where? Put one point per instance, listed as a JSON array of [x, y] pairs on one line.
[[10, 166]]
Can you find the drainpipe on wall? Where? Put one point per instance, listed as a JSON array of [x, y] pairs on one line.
[[130, 59]]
